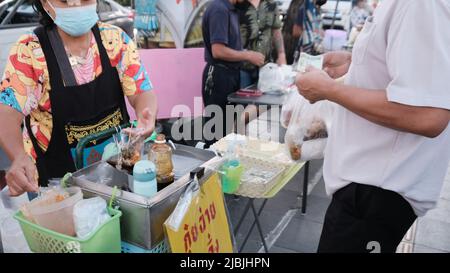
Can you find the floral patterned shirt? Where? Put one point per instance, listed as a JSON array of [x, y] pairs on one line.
[[26, 84]]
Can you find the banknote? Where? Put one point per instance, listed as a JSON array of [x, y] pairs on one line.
[[309, 60]]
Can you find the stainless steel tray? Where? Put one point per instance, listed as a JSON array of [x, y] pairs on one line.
[[143, 218]]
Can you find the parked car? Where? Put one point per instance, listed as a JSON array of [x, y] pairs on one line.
[[18, 16], [283, 6], [342, 16]]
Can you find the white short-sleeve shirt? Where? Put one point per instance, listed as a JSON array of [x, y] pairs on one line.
[[404, 49]]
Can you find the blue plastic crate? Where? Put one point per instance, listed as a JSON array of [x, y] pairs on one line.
[[160, 248]]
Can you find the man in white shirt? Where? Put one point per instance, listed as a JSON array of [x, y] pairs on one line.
[[389, 148]]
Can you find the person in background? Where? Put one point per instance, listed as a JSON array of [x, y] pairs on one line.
[[224, 54], [388, 150], [308, 27], [261, 32], [289, 36], [375, 4], [358, 17]]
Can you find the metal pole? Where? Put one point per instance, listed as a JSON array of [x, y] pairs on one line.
[[246, 210], [258, 225], [334, 15], [305, 188], [253, 226]]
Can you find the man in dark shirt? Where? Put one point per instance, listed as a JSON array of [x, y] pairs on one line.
[[224, 54]]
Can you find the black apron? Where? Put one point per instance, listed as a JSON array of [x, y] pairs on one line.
[[77, 110]]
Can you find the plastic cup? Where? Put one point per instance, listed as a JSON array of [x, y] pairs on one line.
[[231, 179], [59, 216]]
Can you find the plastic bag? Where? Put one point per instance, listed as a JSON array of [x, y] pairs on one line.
[[199, 223], [307, 127], [12, 203], [274, 78], [89, 215], [110, 150], [12, 239], [176, 218], [131, 146], [293, 102]]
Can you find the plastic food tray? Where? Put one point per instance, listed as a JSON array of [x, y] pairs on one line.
[[265, 176]]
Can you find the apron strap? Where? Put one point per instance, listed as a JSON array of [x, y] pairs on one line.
[[40, 160], [67, 74], [64, 65], [106, 63]]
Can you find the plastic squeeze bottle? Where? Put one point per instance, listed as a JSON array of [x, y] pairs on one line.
[[144, 175]]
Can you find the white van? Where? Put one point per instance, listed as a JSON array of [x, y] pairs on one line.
[[342, 20]]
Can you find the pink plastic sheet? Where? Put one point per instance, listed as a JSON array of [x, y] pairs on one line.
[[176, 75]]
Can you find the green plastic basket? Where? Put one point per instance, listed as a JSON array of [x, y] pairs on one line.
[[105, 240]]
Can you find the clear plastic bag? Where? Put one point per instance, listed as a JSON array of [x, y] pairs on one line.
[[191, 192], [307, 127], [129, 145], [12, 239], [293, 102], [89, 215], [275, 78], [12, 203]]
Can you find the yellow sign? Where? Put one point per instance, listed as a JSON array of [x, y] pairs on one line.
[[204, 228]]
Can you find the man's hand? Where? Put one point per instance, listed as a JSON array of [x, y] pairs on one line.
[[255, 58], [22, 176], [281, 59], [337, 63], [314, 84]]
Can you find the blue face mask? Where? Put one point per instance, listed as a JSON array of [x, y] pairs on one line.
[[75, 21]]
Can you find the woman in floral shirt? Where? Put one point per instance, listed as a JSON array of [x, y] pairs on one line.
[[68, 80]]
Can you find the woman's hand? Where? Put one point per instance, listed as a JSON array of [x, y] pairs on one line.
[[146, 122], [22, 176], [337, 63], [145, 105]]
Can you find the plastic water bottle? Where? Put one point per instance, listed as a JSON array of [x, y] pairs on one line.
[[144, 178]]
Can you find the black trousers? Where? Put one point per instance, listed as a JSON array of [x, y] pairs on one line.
[[365, 218], [222, 82]]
